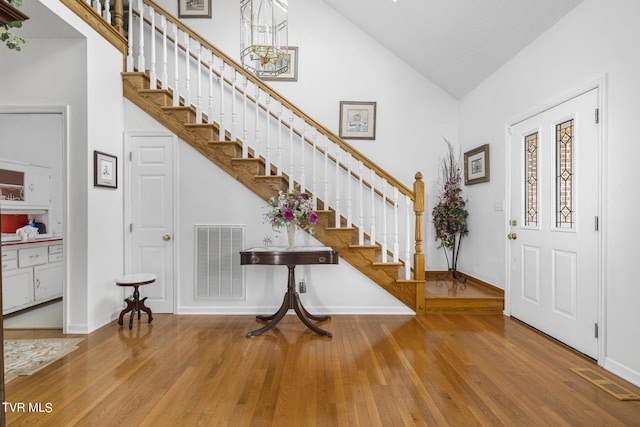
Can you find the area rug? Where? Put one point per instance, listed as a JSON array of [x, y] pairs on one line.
[[24, 357], [609, 386]]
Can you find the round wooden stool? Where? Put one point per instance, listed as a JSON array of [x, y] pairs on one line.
[[136, 304]]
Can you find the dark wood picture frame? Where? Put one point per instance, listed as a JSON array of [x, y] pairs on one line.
[[194, 9], [357, 120], [476, 165], [105, 170]]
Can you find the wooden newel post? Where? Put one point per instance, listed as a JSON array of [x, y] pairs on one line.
[[118, 14], [418, 257]]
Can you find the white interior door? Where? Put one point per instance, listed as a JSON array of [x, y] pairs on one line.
[[152, 216], [553, 245]]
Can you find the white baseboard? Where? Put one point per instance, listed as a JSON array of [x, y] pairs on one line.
[[622, 371]]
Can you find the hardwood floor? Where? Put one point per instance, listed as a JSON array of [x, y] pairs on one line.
[[437, 370]]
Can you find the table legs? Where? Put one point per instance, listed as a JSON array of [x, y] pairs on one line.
[[135, 305], [291, 301]]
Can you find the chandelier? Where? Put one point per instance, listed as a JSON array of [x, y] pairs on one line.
[[263, 37]]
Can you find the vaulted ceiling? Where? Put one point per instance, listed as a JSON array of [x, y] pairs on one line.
[[456, 44]]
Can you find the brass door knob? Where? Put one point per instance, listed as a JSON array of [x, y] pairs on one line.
[[512, 236], [166, 237]]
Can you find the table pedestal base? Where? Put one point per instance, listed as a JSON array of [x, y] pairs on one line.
[[291, 301]]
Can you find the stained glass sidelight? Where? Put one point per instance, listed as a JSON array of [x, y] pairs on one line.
[[564, 174], [531, 179]]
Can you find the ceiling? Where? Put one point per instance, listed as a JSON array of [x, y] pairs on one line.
[[456, 44]]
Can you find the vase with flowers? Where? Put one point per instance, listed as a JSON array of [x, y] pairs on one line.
[[291, 209]]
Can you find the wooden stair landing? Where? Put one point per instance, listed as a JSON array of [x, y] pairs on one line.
[[449, 296]]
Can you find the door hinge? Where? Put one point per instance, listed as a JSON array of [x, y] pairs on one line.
[[597, 115], [130, 228], [595, 330], [130, 156], [597, 223]]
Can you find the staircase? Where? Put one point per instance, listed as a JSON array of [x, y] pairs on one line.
[[227, 155]]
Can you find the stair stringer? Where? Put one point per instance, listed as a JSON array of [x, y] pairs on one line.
[[204, 138]]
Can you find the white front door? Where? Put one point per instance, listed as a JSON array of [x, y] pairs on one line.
[[151, 225], [553, 235]]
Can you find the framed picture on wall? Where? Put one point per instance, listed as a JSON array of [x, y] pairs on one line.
[[476, 165], [105, 170], [291, 75], [357, 120], [194, 8]]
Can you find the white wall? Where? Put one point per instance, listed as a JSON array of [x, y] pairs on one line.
[[208, 195], [82, 74], [596, 39], [338, 62]]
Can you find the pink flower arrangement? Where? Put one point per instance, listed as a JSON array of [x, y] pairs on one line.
[[291, 206]]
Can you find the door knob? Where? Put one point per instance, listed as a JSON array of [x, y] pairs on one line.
[[512, 236], [166, 237]]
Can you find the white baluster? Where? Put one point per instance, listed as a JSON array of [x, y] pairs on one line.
[[360, 205], [165, 75], [152, 72], [372, 232], [131, 40], [211, 116], [223, 130], [396, 247], [199, 83], [106, 12], [141, 67], [407, 251], [349, 193], [315, 175], [337, 190], [256, 130], [267, 160], [245, 148], [291, 151], [325, 196], [234, 117], [384, 220], [187, 80], [97, 6], [303, 184], [279, 160], [176, 82]]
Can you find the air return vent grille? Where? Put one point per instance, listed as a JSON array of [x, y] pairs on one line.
[[219, 274]]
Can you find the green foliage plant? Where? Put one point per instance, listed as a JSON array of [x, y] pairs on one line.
[[12, 41]]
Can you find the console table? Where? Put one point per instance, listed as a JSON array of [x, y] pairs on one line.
[[290, 257]]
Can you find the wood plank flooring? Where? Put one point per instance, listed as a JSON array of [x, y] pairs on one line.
[[436, 370]]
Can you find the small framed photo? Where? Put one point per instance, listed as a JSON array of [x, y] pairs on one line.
[[291, 75], [476, 165], [105, 170], [194, 8], [357, 120]]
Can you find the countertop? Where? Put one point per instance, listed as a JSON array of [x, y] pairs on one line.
[[41, 239]]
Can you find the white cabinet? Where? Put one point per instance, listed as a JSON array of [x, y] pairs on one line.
[[39, 178], [17, 289], [24, 186], [31, 274], [47, 281]]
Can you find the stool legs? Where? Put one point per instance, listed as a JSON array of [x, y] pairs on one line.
[[134, 305]]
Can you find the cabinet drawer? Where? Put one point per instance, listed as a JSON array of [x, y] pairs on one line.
[[55, 249], [32, 256], [9, 254], [55, 257], [9, 264]]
